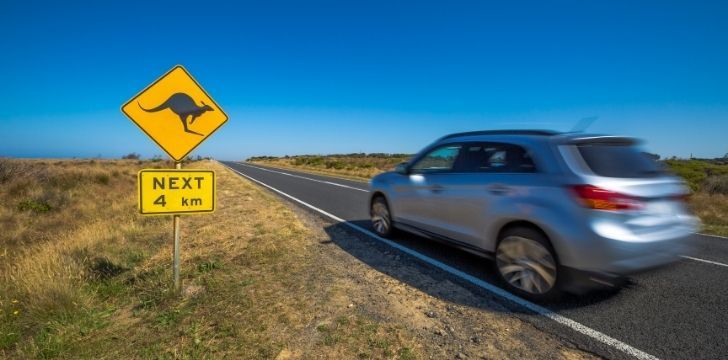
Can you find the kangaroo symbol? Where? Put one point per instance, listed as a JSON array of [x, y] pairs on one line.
[[184, 106]]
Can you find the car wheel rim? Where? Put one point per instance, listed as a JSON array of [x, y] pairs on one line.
[[526, 264], [380, 218]]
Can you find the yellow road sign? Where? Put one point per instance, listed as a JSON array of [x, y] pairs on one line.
[[175, 112], [176, 191]]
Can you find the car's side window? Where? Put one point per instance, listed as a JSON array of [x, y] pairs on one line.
[[441, 159], [494, 158]]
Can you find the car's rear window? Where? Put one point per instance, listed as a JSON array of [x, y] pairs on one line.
[[623, 161]]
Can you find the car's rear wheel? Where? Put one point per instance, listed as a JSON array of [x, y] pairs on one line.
[[381, 217], [527, 264]]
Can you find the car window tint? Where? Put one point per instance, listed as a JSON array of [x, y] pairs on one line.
[[440, 159], [492, 157]]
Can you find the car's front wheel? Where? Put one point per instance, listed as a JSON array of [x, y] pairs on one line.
[[527, 264], [381, 217]]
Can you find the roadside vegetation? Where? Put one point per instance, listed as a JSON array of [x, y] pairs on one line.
[[358, 165], [707, 178], [82, 275]]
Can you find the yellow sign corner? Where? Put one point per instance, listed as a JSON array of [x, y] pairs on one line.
[[176, 112], [180, 191]]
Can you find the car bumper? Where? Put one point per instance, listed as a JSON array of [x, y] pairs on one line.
[[617, 251]]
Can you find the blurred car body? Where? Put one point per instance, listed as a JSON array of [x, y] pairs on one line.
[[557, 211]]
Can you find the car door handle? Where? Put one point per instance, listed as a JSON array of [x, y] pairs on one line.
[[436, 188], [498, 189]]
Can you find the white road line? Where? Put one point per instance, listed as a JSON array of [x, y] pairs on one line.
[[305, 178], [715, 236], [704, 261], [583, 329]]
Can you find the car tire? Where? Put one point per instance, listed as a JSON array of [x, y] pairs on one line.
[[527, 264], [381, 217]]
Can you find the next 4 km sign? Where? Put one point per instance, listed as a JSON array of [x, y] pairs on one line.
[[176, 191]]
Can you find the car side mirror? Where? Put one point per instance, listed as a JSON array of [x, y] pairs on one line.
[[401, 168]]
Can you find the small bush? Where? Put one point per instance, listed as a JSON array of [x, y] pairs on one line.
[[334, 164], [11, 169], [38, 206], [65, 180], [208, 266], [132, 156], [102, 268], [716, 185], [102, 179]]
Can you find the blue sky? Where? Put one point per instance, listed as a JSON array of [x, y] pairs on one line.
[[365, 76]]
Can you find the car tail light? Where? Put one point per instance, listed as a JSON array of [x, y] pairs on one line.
[[600, 199]]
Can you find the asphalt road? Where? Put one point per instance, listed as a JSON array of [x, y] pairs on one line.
[[678, 312]]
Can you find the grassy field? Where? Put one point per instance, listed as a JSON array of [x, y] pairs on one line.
[[708, 179], [84, 276]]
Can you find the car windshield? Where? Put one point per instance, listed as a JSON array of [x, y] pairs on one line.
[[440, 159], [623, 161]]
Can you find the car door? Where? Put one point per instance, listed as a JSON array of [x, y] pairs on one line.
[[484, 174], [416, 192]]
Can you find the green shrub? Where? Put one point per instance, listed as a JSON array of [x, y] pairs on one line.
[[208, 266], [38, 206]]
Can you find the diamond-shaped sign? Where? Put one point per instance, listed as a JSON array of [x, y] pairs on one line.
[[175, 112]]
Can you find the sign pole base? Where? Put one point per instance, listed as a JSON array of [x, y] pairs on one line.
[[177, 284]]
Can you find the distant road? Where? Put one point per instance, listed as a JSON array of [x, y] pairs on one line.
[[679, 312]]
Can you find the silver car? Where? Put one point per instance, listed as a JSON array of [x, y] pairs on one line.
[[557, 211]]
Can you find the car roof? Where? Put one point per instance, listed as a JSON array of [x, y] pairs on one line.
[[501, 132], [554, 136]]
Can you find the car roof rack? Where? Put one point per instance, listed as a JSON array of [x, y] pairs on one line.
[[502, 132]]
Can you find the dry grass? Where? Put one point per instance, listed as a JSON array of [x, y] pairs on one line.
[[712, 211], [65, 223], [82, 275]]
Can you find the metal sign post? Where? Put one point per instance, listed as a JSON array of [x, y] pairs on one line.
[[175, 221]]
